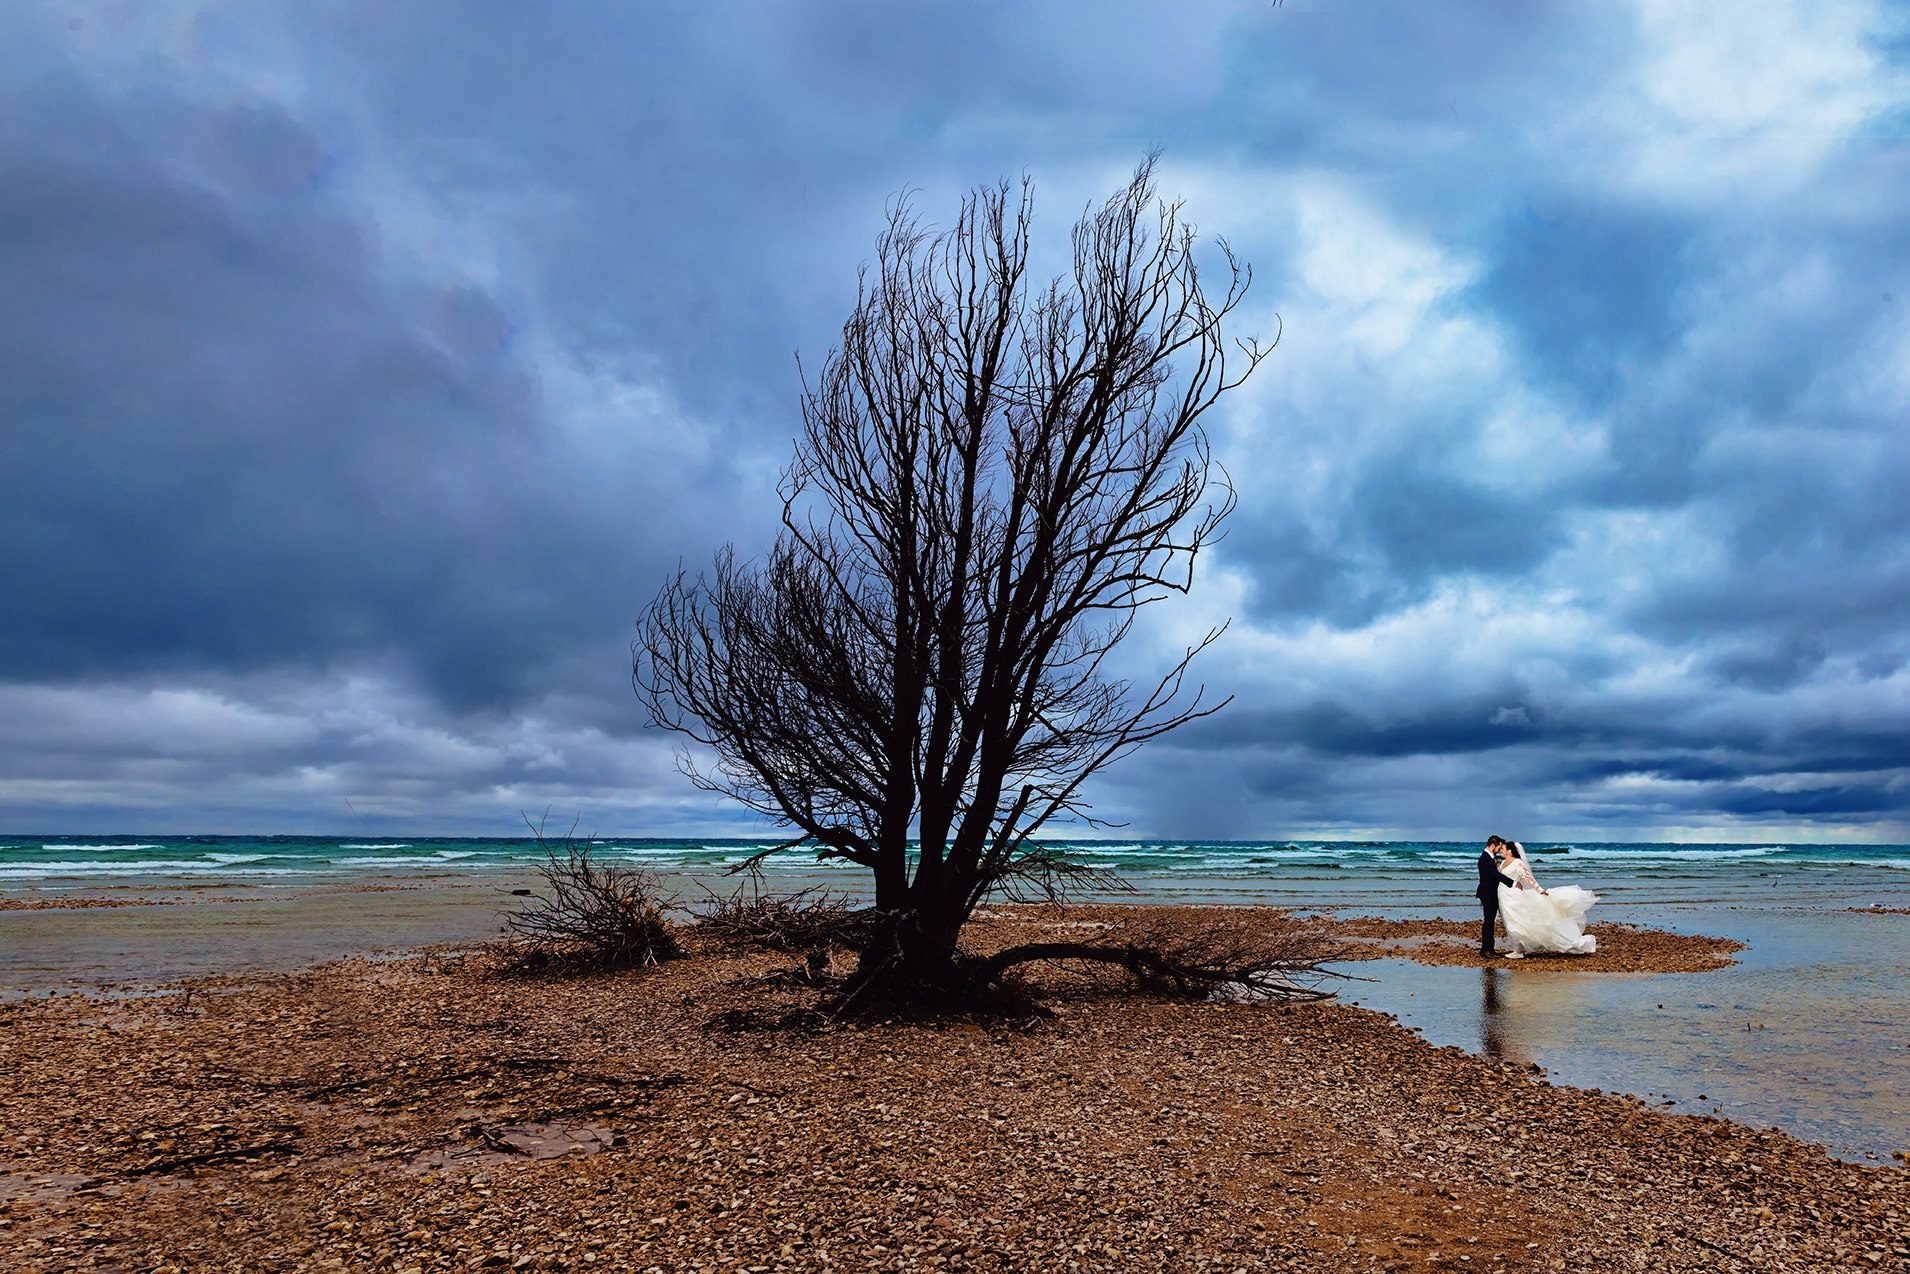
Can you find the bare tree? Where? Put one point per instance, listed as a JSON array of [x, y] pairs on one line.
[[993, 477]]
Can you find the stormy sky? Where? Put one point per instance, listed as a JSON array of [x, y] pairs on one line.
[[364, 367]]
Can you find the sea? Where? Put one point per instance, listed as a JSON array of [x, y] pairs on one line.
[[1808, 1031], [1301, 872]]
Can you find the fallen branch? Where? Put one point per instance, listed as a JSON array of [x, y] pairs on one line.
[[1253, 957], [205, 1158], [491, 1068], [485, 1136], [1722, 1251]]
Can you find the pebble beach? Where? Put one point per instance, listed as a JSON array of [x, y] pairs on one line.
[[426, 1114]]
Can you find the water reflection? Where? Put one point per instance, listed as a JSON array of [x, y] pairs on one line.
[[1495, 1038], [1518, 1011]]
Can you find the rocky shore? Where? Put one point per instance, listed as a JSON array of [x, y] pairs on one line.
[[70, 903], [1621, 948], [425, 1114]]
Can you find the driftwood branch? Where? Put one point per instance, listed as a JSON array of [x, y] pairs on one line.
[[492, 1140], [176, 1162], [1262, 958]]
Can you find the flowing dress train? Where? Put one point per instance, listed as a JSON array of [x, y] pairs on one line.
[[1551, 922]]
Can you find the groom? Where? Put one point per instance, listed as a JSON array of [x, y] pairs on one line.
[[1490, 878]]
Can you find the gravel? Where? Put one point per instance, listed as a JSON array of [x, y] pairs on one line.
[[425, 1115]]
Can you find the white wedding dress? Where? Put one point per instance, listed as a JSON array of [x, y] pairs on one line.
[[1551, 922]]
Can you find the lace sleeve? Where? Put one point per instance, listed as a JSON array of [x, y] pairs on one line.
[[1523, 874]]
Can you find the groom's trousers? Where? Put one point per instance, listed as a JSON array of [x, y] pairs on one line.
[[1489, 904]]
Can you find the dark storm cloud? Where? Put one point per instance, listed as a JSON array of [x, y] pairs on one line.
[[1840, 802], [237, 442], [1372, 729], [1661, 764], [362, 369], [1431, 523], [1297, 571], [1773, 667], [217, 381], [1408, 523], [1589, 293]]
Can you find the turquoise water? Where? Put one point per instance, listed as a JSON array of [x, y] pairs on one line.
[[1376, 873]]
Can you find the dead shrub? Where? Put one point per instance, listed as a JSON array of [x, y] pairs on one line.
[[806, 920], [592, 917]]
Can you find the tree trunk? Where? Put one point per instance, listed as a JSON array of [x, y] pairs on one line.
[[911, 952], [891, 882]]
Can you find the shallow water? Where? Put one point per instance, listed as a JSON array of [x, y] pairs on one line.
[[235, 931], [1809, 1032]]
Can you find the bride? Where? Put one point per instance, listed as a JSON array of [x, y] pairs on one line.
[[1542, 920]]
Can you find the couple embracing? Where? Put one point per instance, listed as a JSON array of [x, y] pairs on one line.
[[1550, 921]]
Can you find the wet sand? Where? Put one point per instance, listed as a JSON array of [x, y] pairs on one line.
[[409, 1115], [224, 927], [74, 904]]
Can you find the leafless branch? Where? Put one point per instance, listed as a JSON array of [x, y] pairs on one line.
[[993, 476], [592, 915]]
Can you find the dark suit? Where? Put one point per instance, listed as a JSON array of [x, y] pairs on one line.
[[1490, 878]]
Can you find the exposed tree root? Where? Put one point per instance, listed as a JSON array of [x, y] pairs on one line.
[[1271, 958]]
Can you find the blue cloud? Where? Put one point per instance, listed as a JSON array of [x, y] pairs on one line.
[[377, 365], [1591, 293]]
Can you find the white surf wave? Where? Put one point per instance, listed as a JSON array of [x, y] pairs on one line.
[[1682, 855], [408, 860], [393, 845], [99, 849], [43, 871]]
